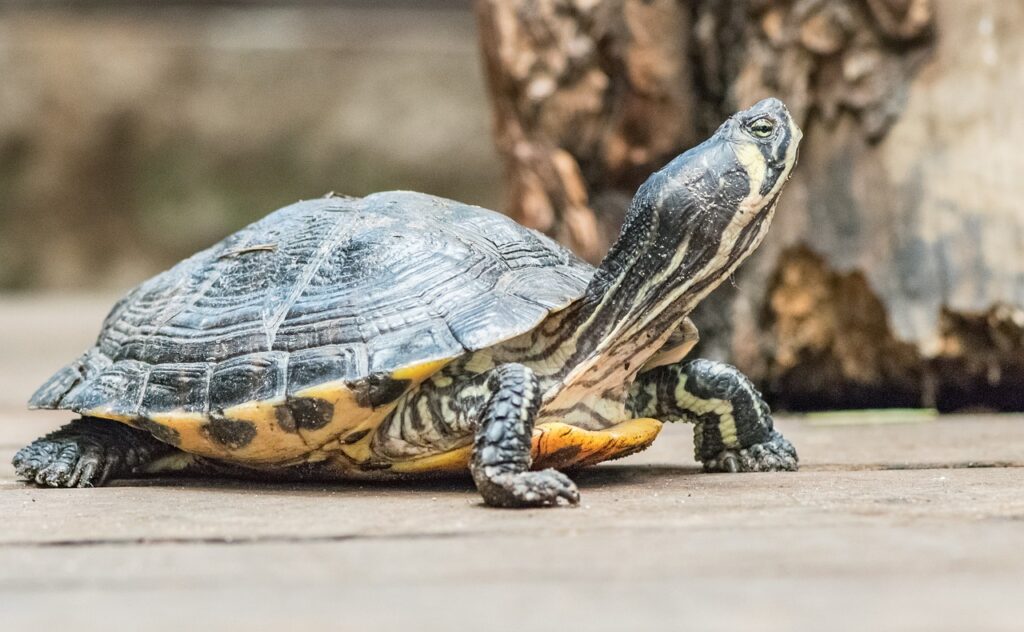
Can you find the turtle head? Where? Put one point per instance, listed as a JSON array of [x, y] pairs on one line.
[[698, 217], [689, 226], [764, 141]]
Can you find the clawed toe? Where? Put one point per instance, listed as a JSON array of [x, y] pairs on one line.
[[729, 462], [86, 453], [60, 463], [546, 488], [776, 454]]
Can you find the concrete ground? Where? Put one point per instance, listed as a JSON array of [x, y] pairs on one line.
[[895, 522]]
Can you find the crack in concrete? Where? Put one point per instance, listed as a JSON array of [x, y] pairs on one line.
[[886, 467], [245, 540]]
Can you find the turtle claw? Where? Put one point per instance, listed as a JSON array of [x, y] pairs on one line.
[[61, 463], [776, 454], [86, 453], [546, 488], [729, 462]]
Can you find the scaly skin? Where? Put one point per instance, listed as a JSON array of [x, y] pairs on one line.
[[86, 453], [501, 451], [734, 431]]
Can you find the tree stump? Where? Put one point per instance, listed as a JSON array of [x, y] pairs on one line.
[[893, 275]]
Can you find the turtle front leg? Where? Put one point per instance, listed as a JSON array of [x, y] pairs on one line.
[[87, 453], [733, 430], [501, 450]]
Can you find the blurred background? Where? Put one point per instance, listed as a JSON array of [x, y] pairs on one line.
[[134, 133]]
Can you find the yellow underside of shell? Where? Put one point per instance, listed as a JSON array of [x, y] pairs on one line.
[[557, 445], [270, 443]]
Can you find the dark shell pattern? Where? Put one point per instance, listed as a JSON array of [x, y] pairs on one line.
[[331, 289]]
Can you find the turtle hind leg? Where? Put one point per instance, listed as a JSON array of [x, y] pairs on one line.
[[734, 430], [501, 451], [87, 453]]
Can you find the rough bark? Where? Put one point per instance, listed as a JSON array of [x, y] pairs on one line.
[[892, 275], [588, 97]]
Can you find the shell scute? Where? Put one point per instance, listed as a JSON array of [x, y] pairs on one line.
[[177, 386], [324, 364], [253, 377], [117, 389]]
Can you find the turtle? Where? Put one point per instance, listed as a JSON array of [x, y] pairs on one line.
[[401, 334]]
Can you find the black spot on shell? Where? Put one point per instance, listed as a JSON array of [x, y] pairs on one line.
[[232, 433], [307, 413], [285, 419], [378, 389], [355, 436], [158, 430]]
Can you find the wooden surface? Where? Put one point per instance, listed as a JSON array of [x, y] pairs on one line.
[[895, 522]]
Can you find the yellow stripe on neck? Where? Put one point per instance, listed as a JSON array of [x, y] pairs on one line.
[[754, 164]]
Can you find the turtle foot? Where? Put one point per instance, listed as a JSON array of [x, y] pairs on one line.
[[64, 462], [86, 453], [546, 488], [776, 454]]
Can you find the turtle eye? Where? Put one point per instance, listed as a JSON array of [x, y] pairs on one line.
[[762, 127]]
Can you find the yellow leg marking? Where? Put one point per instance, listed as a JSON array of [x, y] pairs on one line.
[[720, 407], [175, 462]]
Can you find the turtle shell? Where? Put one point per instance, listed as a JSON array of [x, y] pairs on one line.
[[341, 290]]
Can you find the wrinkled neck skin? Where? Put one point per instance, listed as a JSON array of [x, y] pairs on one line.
[[688, 228]]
